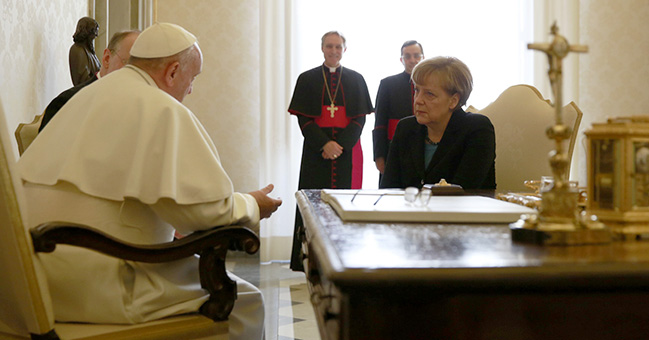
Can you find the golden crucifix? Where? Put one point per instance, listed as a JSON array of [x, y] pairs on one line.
[[556, 51], [558, 204], [332, 108], [559, 221]]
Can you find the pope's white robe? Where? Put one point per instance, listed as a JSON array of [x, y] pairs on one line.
[[125, 157]]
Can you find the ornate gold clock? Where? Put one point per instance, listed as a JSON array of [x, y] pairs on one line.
[[618, 174]]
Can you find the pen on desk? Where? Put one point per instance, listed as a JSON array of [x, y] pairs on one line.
[[357, 191]]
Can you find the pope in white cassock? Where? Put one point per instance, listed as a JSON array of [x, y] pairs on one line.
[[126, 157]]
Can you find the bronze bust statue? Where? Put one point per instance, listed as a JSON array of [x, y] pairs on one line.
[[84, 63]]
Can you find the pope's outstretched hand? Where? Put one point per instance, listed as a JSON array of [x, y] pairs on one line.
[[267, 205]]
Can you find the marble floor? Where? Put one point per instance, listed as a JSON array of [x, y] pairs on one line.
[[289, 314]]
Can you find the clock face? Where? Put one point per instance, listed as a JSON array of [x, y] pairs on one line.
[[641, 157]]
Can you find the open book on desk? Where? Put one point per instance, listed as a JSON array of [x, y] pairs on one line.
[[389, 205]]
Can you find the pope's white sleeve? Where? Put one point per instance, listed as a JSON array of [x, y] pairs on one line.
[[238, 209]]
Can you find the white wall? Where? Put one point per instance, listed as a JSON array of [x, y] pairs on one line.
[[225, 95], [35, 37], [614, 74]]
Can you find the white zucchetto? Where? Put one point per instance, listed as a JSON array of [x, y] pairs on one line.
[[162, 40]]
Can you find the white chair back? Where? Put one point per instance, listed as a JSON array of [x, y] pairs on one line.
[[24, 298], [520, 117], [26, 133]]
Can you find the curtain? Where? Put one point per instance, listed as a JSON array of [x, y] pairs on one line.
[[280, 136]]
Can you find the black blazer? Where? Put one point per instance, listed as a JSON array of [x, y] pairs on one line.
[[393, 101], [57, 103], [465, 155]]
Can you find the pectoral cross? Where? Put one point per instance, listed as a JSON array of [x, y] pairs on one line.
[[332, 109]]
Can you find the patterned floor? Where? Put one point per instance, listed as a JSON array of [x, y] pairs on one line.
[[289, 314], [295, 313]]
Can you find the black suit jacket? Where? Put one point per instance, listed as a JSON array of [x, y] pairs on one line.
[[465, 155], [393, 101], [57, 103]]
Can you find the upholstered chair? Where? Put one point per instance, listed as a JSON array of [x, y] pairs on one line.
[[520, 117], [27, 132]]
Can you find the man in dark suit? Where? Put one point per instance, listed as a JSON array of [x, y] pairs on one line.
[[115, 57], [394, 101]]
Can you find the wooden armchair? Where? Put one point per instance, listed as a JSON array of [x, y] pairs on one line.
[[25, 304], [520, 117]]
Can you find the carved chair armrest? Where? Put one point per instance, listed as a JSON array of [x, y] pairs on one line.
[[211, 245]]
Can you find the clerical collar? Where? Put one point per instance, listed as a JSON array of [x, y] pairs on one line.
[[332, 69]]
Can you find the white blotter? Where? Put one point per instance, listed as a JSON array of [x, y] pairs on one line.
[[390, 206]]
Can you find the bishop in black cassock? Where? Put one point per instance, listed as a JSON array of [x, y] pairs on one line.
[[321, 123], [330, 104]]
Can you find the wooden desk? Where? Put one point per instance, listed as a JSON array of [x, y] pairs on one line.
[[453, 281]]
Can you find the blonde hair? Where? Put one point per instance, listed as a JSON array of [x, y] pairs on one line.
[[453, 74]]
